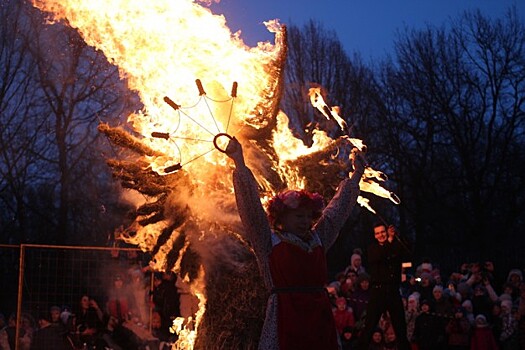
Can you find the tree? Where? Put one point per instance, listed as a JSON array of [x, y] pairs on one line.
[[21, 124], [454, 131], [55, 91], [80, 88], [316, 57]]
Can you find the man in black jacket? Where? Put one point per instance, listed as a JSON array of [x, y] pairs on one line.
[[385, 257]]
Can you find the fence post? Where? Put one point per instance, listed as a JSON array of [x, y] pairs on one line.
[[21, 266]]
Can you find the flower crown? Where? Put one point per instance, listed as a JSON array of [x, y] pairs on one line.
[[293, 199]]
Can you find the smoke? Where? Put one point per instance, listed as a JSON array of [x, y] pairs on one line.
[[213, 225], [133, 198]]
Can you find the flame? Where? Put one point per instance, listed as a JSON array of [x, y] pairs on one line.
[[365, 203], [289, 148], [186, 329], [187, 67], [317, 100], [162, 48], [367, 183]]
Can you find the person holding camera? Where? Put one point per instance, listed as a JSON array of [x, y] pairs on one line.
[[87, 321]]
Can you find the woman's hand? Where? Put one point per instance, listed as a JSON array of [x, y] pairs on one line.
[[234, 151], [93, 304], [357, 162]]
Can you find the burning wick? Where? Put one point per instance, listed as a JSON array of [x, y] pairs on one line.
[[216, 141], [173, 168], [234, 89], [160, 135], [171, 103], [199, 86]]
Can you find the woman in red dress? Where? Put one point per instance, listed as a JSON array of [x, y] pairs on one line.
[[290, 243]]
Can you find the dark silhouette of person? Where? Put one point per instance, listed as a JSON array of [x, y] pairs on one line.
[[385, 257]]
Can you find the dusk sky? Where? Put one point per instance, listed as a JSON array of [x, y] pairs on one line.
[[365, 26]]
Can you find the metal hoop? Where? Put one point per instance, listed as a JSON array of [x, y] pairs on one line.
[[220, 135]]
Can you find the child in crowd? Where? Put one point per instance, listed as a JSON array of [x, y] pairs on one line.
[[377, 342], [428, 331], [469, 311], [508, 337], [411, 313], [348, 339], [361, 296], [343, 315], [390, 339], [482, 337], [458, 331]]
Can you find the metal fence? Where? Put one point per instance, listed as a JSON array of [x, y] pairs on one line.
[[36, 277]]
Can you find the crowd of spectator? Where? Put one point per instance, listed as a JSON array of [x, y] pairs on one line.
[[136, 314], [474, 308]]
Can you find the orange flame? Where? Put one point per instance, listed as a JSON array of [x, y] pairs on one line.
[[161, 48], [367, 183], [185, 64], [365, 203], [317, 100]]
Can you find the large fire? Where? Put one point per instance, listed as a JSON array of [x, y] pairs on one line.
[[196, 80]]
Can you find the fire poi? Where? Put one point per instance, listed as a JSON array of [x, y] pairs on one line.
[[200, 85]]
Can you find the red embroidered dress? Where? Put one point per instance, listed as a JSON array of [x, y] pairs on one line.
[[304, 314], [298, 314]]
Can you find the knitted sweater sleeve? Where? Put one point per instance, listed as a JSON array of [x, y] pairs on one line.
[[253, 217], [338, 210]]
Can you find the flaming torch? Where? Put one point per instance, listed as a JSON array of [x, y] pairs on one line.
[[367, 183]]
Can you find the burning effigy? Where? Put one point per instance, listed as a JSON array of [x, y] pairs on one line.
[[200, 85]]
